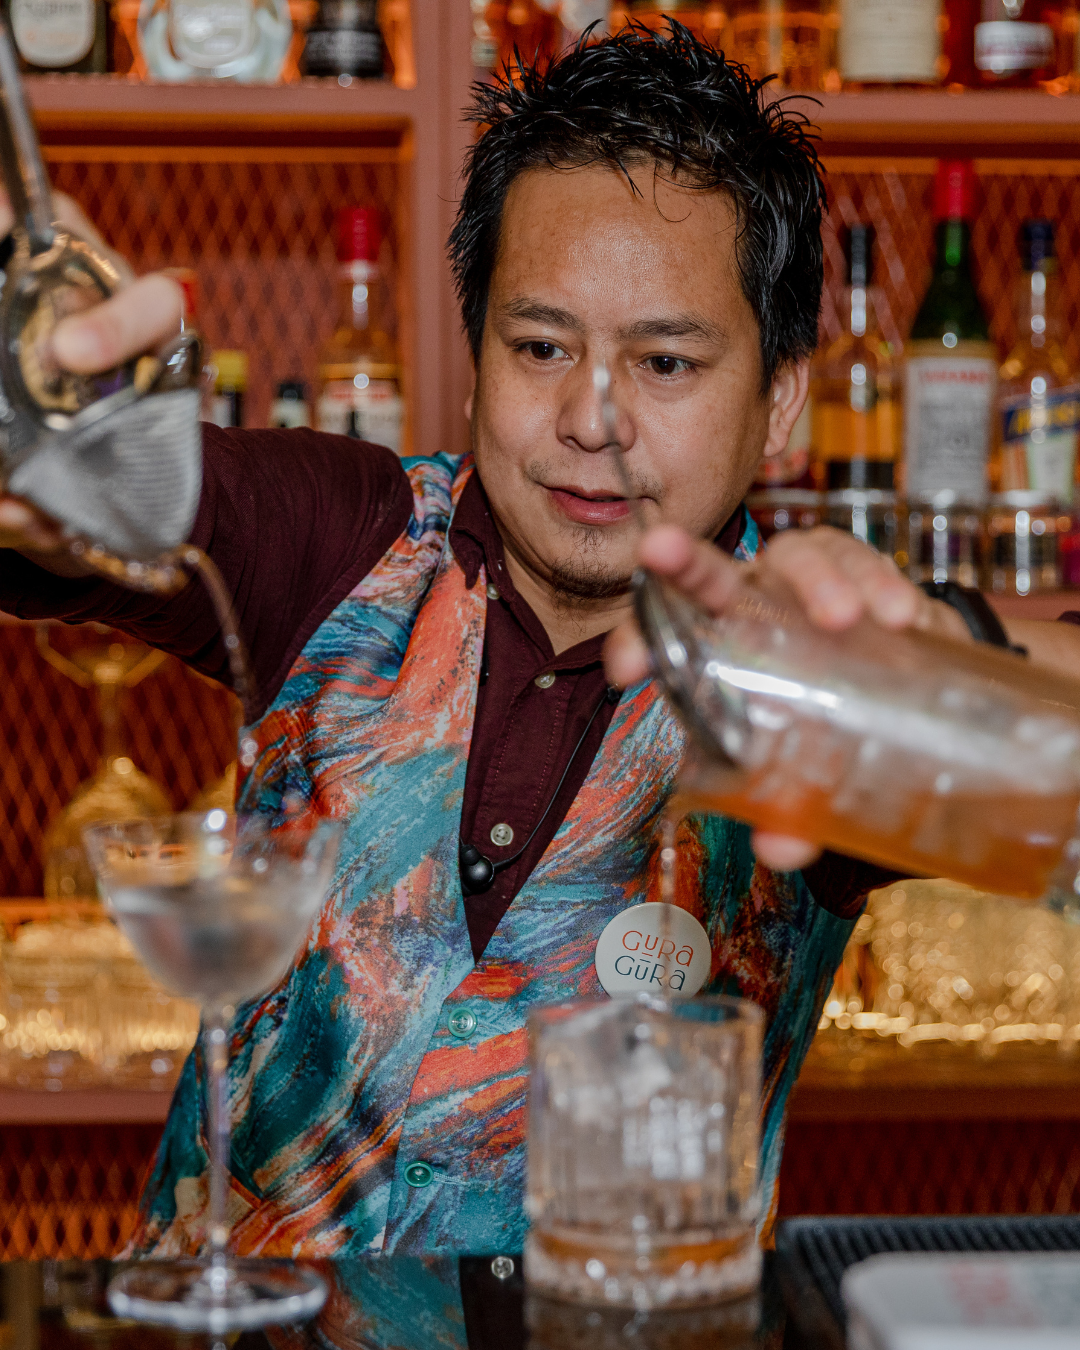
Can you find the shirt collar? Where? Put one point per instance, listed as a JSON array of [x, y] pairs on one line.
[[475, 540]]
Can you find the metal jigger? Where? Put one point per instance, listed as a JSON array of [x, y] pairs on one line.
[[115, 458]]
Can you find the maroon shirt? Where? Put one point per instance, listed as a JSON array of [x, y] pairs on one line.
[[294, 520]]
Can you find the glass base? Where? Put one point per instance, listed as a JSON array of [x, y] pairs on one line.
[[577, 1266], [237, 1296]]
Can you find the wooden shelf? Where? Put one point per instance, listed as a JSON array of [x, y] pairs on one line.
[[1041, 605], [969, 123], [878, 1080], [100, 1106], [1023, 123], [96, 108]]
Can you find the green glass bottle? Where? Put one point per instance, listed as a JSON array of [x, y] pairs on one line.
[[950, 373]]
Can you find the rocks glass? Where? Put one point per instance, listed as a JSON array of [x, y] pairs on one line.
[[643, 1151]]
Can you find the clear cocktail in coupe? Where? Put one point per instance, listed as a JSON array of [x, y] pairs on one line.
[[217, 907]]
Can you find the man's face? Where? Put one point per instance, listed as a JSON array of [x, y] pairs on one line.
[[588, 271]]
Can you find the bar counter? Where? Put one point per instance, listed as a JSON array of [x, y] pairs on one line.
[[467, 1302]]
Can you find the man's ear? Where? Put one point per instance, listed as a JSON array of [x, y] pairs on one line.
[[788, 391], [472, 390]]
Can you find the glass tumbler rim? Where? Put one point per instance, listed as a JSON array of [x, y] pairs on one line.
[[741, 1011], [213, 821]]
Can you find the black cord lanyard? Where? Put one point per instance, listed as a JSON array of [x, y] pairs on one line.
[[478, 872]]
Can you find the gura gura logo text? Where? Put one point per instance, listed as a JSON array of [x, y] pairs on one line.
[[649, 962]]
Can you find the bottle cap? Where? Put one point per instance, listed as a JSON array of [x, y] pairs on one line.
[[232, 369], [292, 391], [859, 252], [954, 190], [188, 280], [358, 234], [1036, 244]]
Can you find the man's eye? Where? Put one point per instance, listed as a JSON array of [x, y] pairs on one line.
[[667, 365], [542, 351]]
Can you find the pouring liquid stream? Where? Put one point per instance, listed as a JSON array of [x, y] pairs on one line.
[[166, 578]]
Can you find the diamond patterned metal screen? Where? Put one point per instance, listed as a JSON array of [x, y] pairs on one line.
[[931, 1167], [257, 227], [897, 200], [179, 730], [71, 1191]]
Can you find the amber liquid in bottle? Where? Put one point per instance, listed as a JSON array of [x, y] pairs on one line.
[[358, 382], [793, 39], [1038, 407], [855, 435]]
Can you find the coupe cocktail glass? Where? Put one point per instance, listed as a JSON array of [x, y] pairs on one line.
[[217, 906], [643, 1151]]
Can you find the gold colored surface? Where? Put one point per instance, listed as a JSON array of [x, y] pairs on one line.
[[78, 1009], [118, 789], [936, 961], [219, 795]]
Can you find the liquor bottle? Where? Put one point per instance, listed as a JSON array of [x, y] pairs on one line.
[[235, 40], [654, 13], [345, 39], [359, 370], [951, 363], [882, 42], [855, 428], [524, 25], [1014, 46], [60, 36], [795, 41], [958, 43], [1038, 390], [578, 15], [290, 408], [230, 385]]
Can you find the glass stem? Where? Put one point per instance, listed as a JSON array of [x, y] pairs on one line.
[[216, 1039]]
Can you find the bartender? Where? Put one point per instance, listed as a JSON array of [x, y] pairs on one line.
[[427, 641]]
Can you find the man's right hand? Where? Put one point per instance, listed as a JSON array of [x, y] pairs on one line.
[[139, 318]]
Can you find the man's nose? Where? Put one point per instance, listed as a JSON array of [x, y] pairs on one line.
[[581, 417]]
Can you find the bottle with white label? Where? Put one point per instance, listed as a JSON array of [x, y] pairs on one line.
[[235, 40], [1014, 45], [60, 36], [950, 374], [1039, 393], [883, 42], [359, 370]]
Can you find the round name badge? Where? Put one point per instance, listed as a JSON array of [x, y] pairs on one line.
[[653, 946]]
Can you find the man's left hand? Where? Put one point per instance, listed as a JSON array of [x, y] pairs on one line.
[[837, 579]]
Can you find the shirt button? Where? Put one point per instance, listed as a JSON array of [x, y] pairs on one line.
[[492, 592], [544, 681], [502, 835], [462, 1023], [419, 1174]]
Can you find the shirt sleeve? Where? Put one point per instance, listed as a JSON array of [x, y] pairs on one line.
[[292, 518]]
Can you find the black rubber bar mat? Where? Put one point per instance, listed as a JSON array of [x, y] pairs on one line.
[[812, 1255]]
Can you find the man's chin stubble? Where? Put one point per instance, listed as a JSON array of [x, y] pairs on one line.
[[584, 576]]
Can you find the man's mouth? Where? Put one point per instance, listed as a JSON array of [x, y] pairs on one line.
[[589, 508]]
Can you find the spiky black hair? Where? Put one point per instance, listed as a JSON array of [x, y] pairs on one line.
[[668, 98]]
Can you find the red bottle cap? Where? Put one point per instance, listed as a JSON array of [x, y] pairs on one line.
[[188, 280], [358, 234], [954, 190]]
